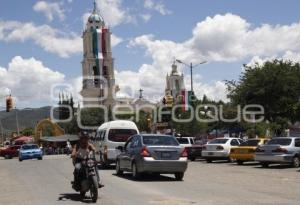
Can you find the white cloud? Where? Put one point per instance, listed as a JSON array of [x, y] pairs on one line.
[[257, 60], [229, 38], [28, 80], [157, 6], [48, 38], [146, 17], [113, 12], [293, 56], [287, 56], [50, 10], [216, 91], [115, 40], [226, 38]]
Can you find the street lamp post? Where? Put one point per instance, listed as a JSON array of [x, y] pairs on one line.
[[191, 66], [2, 132], [17, 122]]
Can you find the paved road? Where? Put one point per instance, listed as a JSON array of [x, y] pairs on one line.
[[47, 182]]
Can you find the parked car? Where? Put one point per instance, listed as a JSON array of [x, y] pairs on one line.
[[30, 151], [279, 150], [196, 150], [187, 142], [245, 151], [10, 152], [150, 153], [219, 149]]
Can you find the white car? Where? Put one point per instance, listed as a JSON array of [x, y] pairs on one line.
[[219, 148], [186, 141]]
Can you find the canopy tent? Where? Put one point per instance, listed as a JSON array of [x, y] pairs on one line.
[[24, 139], [62, 138]]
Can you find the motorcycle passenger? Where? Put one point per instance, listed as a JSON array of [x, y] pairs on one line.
[[81, 150]]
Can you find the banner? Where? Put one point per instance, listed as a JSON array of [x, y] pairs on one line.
[[99, 49], [185, 100]]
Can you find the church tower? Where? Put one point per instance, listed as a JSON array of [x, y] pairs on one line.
[[174, 83], [98, 86]]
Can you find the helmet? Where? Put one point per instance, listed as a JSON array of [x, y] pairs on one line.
[[84, 134]]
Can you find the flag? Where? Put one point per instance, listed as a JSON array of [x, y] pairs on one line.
[[185, 100], [98, 43], [99, 49]]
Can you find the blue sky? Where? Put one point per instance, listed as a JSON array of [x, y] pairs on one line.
[[44, 35]]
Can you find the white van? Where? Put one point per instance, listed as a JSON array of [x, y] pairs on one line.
[[111, 135]]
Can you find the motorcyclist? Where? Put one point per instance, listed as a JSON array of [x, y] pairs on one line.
[[79, 152]]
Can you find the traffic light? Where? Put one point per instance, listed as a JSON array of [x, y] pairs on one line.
[[9, 104]]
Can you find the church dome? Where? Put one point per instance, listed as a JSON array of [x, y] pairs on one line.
[[94, 17]]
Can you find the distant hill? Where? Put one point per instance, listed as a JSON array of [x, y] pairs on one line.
[[28, 117]]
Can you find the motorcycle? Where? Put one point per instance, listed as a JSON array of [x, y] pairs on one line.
[[86, 177]]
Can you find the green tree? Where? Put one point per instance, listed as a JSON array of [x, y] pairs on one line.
[[275, 85], [28, 131]]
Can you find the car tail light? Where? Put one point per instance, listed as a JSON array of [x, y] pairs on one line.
[[280, 150], [145, 152], [220, 147], [184, 153]]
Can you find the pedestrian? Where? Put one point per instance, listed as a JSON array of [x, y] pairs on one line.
[[68, 147]]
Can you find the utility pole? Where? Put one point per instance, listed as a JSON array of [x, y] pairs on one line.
[[17, 122], [2, 133], [192, 87], [191, 66]]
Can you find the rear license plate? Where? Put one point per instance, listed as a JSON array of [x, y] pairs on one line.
[[210, 153], [166, 155]]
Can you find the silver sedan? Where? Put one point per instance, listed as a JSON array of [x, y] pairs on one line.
[[152, 153], [280, 150]]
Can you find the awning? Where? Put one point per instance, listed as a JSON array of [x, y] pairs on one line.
[[24, 139], [62, 138]]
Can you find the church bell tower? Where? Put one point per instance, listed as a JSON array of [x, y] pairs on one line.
[[98, 86]]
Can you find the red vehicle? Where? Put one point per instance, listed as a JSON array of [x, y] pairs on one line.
[[10, 152]]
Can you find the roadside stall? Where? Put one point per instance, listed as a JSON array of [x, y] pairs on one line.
[[58, 144]]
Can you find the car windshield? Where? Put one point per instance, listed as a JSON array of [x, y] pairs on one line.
[[183, 140], [251, 143], [30, 147], [280, 141], [218, 141], [120, 135], [160, 140]]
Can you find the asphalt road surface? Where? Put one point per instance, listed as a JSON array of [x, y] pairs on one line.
[[47, 182]]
